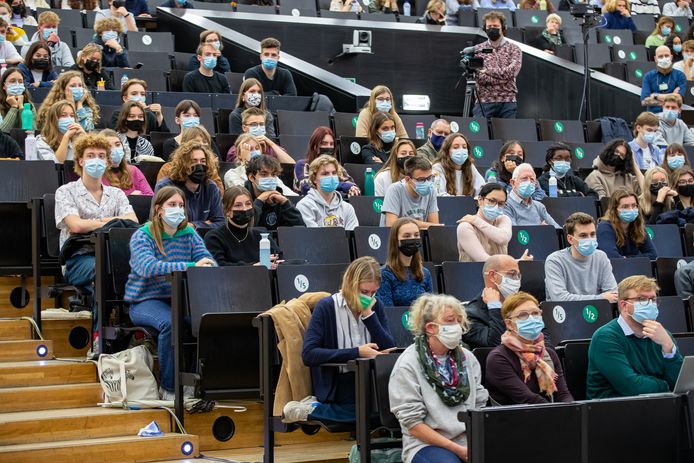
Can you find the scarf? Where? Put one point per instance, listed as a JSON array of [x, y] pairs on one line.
[[555, 39], [533, 356], [456, 388]]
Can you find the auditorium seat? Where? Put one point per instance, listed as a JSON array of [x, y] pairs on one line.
[[508, 15], [615, 36], [358, 173], [574, 356], [83, 36], [155, 78], [151, 60], [301, 122], [295, 280], [539, 240], [532, 18], [325, 13], [150, 41], [463, 279], [454, 208], [583, 155], [667, 239], [377, 17], [172, 98], [622, 268], [626, 53], [314, 245], [467, 18], [289, 103], [564, 131], [535, 152], [398, 322], [442, 244], [295, 145], [485, 152], [235, 79], [372, 241], [561, 208], [474, 128], [598, 55], [410, 122], [672, 314], [566, 320], [637, 69], [303, 7], [255, 9], [533, 277], [344, 124], [350, 149], [644, 22], [573, 35], [68, 18], [141, 205], [519, 129], [665, 271], [368, 209]]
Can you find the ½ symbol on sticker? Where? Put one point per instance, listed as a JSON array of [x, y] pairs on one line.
[[558, 127], [374, 241], [523, 237], [633, 56], [559, 314], [301, 283], [406, 320], [454, 127], [650, 232], [474, 127], [590, 314], [354, 121], [147, 40], [579, 153], [377, 205], [478, 152], [355, 148]]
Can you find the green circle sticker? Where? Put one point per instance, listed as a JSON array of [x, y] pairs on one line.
[[558, 127], [406, 320], [523, 237], [678, 28], [608, 39], [649, 230], [638, 73], [633, 56], [579, 153], [377, 205], [478, 152], [354, 121], [590, 314], [474, 126], [534, 19]]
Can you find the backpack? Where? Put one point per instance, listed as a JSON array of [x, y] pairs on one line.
[[127, 376]]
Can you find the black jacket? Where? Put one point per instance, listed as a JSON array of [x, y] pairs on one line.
[[569, 185], [152, 125], [271, 216], [486, 325], [543, 44], [226, 249], [368, 152]]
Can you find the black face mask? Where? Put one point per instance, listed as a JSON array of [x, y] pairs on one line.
[[134, 125], [686, 190], [41, 64], [198, 174], [18, 9], [328, 151], [515, 159], [614, 160], [401, 162], [494, 33], [91, 65], [410, 247], [655, 187], [242, 217]]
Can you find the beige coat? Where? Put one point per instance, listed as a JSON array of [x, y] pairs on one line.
[[604, 181]]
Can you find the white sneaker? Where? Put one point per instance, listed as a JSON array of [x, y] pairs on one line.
[[296, 411], [166, 395], [188, 393]]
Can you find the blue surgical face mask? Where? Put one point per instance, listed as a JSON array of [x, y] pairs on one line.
[[561, 167], [645, 311], [140, 98], [47, 31], [188, 122], [15, 89], [459, 156], [173, 216], [209, 62], [383, 106], [257, 131], [269, 63], [437, 141], [95, 168], [255, 153], [491, 212], [675, 162], [587, 246], [388, 136], [669, 115], [267, 183], [109, 35], [526, 189], [64, 123], [117, 155], [2, 39], [531, 328], [77, 93], [677, 48], [665, 30], [628, 215], [217, 44], [649, 137], [329, 183], [423, 188]]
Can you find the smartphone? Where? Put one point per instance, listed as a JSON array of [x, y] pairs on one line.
[[389, 350]]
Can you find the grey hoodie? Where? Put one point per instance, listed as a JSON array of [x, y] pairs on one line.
[[60, 52], [317, 213], [676, 133]]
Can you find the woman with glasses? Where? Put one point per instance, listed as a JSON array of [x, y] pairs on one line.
[[683, 179], [622, 231], [521, 370], [381, 100]]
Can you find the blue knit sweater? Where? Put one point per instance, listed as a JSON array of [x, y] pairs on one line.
[[149, 268], [396, 293]]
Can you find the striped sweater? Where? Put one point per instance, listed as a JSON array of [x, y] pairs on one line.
[[149, 268]]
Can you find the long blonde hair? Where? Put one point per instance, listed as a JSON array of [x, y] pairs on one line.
[[57, 93], [49, 129], [391, 164], [364, 269], [646, 198]]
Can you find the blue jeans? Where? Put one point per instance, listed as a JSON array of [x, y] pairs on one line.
[[431, 454], [80, 271], [343, 409], [500, 110], [156, 313]]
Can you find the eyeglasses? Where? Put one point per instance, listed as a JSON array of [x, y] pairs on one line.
[[685, 182], [494, 202], [424, 179], [511, 274], [642, 300], [535, 313]]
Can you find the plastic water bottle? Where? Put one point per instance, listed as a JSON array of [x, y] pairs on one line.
[[27, 117], [552, 185], [30, 151], [355, 6], [419, 130], [543, 5], [3, 68], [407, 9], [369, 182], [123, 80], [264, 250], [491, 177]]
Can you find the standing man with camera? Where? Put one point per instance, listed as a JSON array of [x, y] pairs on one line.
[[496, 80]]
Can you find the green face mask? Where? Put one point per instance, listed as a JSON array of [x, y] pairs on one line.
[[365, 301]]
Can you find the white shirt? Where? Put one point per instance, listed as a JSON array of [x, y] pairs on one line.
[[628, 332], [440, 181], [381, 182], [8, 51]]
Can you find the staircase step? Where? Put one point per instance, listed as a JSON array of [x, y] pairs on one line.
[[46, 372], [70, 336], [110, 449], [21, 399], [26, 349], [77, 423], [11, 330]]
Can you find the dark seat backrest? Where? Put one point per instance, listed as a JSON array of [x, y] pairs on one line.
[[371, 241], [150, 170], [301, 122], [622, 268], [561, 208], [518, 129], [565, 131], [533, 280], [14, 187], [667, 239], [463, 279], [481, 354], [50, 231], [576, 367], [295, 280], [328, 245], [350, 149], [442, 244], [295, 145], [118, 249], [150, 41], [454, 208], [665, 268], [540, 240], [399, 325], [485, 152], [574, 319], [368, 209], [383, 366], [672, 314], [142, 205]]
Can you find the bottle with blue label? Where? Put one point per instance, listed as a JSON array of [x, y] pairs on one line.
[[264, 250], [552, 184], [406, 8], [123, 80]]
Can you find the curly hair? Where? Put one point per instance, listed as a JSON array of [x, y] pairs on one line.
[[91, 140], [180, 161], [108, 24], [57, 92], [429, 307]]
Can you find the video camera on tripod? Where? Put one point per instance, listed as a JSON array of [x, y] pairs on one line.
[[471, 63]]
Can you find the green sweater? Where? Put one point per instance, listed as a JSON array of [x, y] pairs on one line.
[[620, 365]]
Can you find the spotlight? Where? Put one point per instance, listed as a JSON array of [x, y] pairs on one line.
[[187, 448], [42, 350]]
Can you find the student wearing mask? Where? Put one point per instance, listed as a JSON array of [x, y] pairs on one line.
[[657, 195], [205, 79], [393, 170], [89, 63], [522, 370], [213, 38], [136, 90], [253, 122], [502, 278], [48, 34], [348, 325], [646, 152], [37, 68], [322, 141], [683, 178], [687, 63], [58, 133], [20, 16], [272, 208], [661, 81], [381, 138], [237, 242], [116, 10], [674, 43], [247, 147], [273, 79], [13, 95], [581, 271], [622, 231], [520, 207], [664, 27], [120, 173], [678, 8], [456, 174], [558, 165], [675, 157], [8, 52], [403, 277], [323, 205], [672, 129], [165, 244], [250, 96], [413, 196], [380, 101], [199, 135], [131, 126], [187, 116], [438, 132], [617, 15], [615, 168], [633, 354], [193, 165], [511, 155], [434, 380], [345, 5], [70, 86], [108, 37]]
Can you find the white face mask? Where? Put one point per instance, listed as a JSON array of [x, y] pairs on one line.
[[508, 286], [450, 335]]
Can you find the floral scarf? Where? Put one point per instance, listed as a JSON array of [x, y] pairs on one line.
[[555, 39], [452, 390], [533, 356]]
